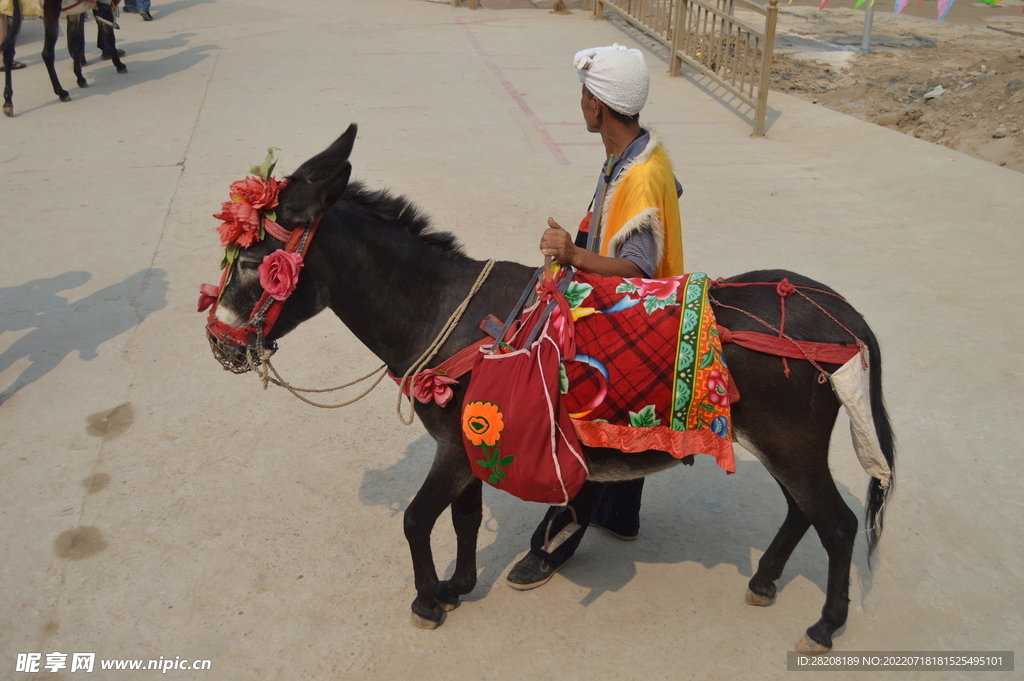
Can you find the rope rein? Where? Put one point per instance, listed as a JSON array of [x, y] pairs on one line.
[[262, 359], [429, 353]]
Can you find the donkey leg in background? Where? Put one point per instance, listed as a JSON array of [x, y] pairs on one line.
[[467, 513], [104, 14], [444, 484], [51, 28], [76, 46]]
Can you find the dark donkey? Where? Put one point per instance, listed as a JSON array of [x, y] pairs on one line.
[[52, 11], [377, 265]]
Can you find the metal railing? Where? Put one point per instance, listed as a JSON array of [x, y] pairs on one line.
[[706, 35], [654, 17]]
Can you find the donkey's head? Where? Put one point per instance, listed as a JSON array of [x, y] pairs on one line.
[[292, 282]]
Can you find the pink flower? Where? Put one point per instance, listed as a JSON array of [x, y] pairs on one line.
[[718, 389], [257, 192], [279, 273], [431, 385], [241, 224], [241, 215], [662, 289], [208, 294]]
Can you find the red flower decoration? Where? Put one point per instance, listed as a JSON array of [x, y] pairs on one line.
[[718, 389], [208, 294], [257, 192], [279, 273], [241, 215], [662, 289], [431, 385]]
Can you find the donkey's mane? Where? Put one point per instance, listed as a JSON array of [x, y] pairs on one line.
[[401, 213]]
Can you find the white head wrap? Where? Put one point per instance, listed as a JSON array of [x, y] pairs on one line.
[[616, 75]]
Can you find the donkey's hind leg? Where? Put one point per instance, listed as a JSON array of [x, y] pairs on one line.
[[761, 589], [814, 492], [104, 20], [467, 512], [51, 30], [76, 46]]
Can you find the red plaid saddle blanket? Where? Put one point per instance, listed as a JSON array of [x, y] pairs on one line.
[[649, 371]]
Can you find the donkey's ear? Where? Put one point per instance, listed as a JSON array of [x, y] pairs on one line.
[[325, 164], [304, 201]]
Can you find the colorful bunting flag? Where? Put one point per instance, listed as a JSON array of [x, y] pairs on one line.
[[944, 6], [900, 4]]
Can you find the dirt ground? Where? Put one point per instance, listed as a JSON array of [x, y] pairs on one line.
[[976, 56]]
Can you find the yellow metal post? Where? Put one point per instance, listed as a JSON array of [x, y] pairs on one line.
[[766, 70]]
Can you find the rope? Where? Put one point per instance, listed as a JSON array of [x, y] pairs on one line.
[[265, 354], [429, 353]]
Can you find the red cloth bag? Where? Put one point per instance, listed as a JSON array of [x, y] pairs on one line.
[[516, 430]]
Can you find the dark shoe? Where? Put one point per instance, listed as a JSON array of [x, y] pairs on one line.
[[14, 66], [107, 55], [623, 537], [532, 571], [146, 16]]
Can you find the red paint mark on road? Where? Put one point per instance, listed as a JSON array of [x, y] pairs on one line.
[[552, 146]]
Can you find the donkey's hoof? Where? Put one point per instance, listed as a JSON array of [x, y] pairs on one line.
[[427, 616], [421, 622], [808, 645], [448, 605], [757, 599], [65, 97], [9, 111], [83, 83], [444, 598], [122, 69]]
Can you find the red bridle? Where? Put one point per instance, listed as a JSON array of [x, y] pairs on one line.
[[264, 314]]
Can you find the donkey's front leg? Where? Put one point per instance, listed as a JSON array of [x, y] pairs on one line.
[[443, 485], [467, 512]]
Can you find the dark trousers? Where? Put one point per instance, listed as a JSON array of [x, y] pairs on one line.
[[614, 505]]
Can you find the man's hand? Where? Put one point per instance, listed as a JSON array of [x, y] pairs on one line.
[[557, 243]]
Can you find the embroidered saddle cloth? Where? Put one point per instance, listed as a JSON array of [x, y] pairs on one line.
[[649, 371]]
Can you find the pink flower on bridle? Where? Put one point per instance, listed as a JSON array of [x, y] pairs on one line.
[[279, 273]]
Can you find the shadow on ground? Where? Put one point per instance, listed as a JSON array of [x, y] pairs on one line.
[[60, 328]]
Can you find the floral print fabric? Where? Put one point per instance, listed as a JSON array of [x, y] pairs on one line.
[[649, 371]]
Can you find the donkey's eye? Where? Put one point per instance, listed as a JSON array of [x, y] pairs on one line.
[[248, 264]]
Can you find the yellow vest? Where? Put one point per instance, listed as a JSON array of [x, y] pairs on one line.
[[644, 194]]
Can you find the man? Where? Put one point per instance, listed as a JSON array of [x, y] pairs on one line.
[[633, 231]]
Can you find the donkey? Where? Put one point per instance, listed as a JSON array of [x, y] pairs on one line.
[[52, 12], [376, 263]]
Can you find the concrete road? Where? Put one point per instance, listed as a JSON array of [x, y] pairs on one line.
[[155, 506]]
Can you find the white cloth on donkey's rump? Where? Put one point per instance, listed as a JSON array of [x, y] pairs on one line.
[[852, 386]]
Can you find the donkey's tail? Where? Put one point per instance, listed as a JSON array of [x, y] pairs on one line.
[[874, 511]]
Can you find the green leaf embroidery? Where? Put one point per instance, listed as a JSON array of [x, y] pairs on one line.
[[563, 380], [577, 293], [494, 463], [651, 303], [644, 418], [626, 287], [707, 359]]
